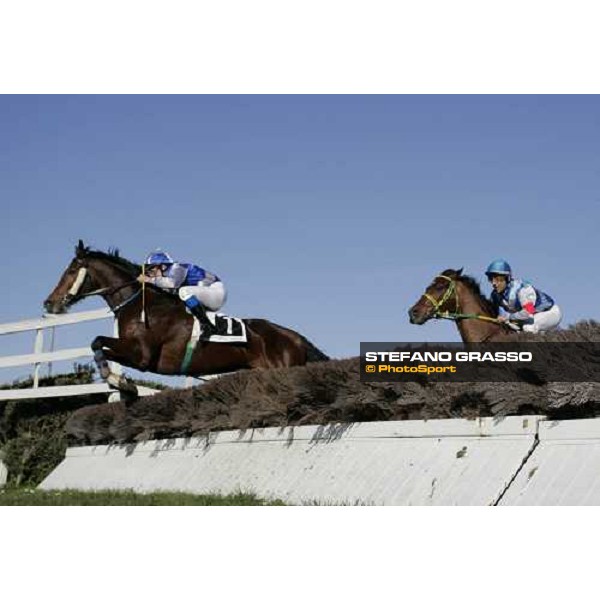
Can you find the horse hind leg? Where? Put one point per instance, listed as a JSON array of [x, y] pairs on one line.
[[273, 346]]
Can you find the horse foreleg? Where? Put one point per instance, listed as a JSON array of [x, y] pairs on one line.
[[100, 359], [129, 353]]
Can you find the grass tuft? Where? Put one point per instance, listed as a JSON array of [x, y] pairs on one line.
[[35, 497]]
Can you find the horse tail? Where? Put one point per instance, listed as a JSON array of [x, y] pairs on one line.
[[313, 354]]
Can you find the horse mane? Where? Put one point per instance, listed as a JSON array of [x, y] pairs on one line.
[[113, 257], [474, 287]]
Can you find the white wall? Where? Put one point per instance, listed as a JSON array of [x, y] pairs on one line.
[[437, 462]]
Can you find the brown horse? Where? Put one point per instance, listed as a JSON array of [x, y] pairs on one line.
[[158, 342], [458, 297]]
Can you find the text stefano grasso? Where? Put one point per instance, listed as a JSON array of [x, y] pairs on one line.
[[460, 356]]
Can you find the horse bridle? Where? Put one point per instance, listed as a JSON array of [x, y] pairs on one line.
[[437, 304], [109, 290], [454, 316]]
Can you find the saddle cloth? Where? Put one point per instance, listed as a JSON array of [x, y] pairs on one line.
[[229, 329]]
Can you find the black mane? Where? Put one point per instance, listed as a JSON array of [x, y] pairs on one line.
[[113, 257]]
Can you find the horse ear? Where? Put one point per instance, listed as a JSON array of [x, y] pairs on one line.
[[80, 249], [459, 272]]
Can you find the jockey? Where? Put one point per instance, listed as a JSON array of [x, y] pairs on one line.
[[199, 289], [526, 306]]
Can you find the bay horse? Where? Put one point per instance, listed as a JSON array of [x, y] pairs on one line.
[[158, 342], [458, 297]]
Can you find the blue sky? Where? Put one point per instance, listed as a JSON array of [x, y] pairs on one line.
[[326, 214]]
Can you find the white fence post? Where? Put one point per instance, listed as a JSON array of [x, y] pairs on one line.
[[116, 368], [38, 348], [52, 332], [39, 357]]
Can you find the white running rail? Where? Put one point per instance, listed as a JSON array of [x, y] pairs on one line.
[[39, 357]]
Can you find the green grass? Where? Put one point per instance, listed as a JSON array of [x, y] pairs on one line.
[[34, 497]]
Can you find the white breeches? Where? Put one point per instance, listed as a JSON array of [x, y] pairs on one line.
[[212, 296], [545, 321]]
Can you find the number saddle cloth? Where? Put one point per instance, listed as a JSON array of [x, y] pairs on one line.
[[228, 329]]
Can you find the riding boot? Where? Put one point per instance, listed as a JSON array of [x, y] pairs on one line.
[[207, 327]]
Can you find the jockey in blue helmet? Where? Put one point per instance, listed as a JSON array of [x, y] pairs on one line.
[[199, 289], [526, 305]]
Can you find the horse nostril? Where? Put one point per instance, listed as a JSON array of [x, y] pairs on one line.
[[413, 315]]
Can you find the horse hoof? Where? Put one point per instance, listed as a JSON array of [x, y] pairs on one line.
[[122, 384], [113, 380], [130, 389], [129, 399]]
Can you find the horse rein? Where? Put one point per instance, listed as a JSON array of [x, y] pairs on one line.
[[455, 316]]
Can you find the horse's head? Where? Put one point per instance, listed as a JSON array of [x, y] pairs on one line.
[[440, 296], [74, 283]]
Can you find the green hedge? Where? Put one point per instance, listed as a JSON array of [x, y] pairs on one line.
[[32, 439]]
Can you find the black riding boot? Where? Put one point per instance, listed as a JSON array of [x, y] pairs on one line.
[[207, 327]]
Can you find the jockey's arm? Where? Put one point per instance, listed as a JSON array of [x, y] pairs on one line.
[[173, 280], [209, 279], [527, 299]]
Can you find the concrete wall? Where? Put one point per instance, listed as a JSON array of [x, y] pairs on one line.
[[440, 462], [564, 470], [517, 460]]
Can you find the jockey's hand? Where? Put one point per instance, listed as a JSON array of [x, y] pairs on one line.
[[503, 319], [141, 278]]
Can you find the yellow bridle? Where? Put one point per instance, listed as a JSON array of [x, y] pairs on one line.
[[437, 304], [452, 289]]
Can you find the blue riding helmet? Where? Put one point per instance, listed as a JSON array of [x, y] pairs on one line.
[[159, 258], [499, 267]]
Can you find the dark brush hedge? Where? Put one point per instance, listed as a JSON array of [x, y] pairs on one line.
[[321, 393]]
